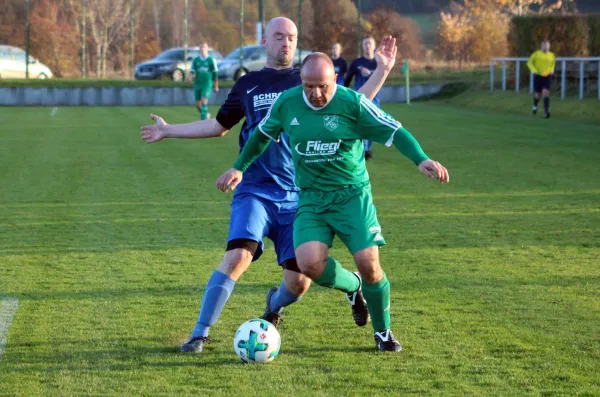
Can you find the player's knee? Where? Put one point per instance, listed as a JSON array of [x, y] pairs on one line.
[[297, 283], [312, 266], [367, 262], [235, 262], [371, 275], [545, 93]]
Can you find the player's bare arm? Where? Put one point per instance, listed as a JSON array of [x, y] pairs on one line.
[[197, 130], [386, 58], [190, 77]]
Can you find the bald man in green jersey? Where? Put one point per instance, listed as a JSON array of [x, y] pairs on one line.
[[326, 124]]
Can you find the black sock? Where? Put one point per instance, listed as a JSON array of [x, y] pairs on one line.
[[547, 104], [535, 101]]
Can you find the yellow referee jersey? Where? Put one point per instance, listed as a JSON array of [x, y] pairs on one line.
[[542, 63]]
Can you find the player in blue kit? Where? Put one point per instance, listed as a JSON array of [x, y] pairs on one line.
[[265, 203], [361, 70], [339, 64]]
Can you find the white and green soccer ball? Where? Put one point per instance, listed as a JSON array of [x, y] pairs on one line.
[[257, 341]]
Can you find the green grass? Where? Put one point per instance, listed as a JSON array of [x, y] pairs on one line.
[[479, 98], [108, 242]]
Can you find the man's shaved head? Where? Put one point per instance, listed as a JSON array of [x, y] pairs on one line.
[[280, 40], [316, 61], [318, 78], [546, 45], [279, 23]]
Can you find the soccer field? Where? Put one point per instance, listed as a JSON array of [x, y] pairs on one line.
[[107, 242]]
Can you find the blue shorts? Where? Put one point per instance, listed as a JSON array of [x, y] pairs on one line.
[[254, 217]]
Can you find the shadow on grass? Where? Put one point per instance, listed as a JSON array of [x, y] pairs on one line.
[[138, 357]]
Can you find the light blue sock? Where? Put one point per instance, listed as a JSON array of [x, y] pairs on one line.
[[282, 298], [367, 145], [217, 293]]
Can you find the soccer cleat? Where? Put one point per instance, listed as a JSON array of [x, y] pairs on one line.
[[534, 110], [269, 315], [386, 342], [360, 312], [368, 155], [207, 116], [547, 116], [194, 345]]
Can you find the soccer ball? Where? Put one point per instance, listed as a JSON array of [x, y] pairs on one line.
[[257, 341]]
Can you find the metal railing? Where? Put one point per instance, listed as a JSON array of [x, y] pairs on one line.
[[563, 78]]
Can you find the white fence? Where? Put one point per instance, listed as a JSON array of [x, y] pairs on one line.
[[563, 73]]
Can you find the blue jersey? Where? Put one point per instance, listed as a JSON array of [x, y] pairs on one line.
[[251, 97], [361, 69], [341, 68]]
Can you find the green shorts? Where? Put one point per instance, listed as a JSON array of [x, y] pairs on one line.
[[349, 214], [203, 92]]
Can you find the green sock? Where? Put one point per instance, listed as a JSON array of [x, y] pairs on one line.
[[203, 112], [378, 302], [336, 277]]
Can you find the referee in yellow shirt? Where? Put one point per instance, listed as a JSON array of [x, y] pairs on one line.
[[541, 64]]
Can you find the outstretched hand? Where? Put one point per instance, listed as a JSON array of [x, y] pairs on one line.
[[385, 54], [156, 132], [435, 170], [229, 180]]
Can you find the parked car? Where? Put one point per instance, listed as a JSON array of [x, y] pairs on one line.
[[170, 64], [12, 65], [254, 59]]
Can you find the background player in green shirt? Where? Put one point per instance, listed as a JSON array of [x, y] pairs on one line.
[[541, 64], [326, 124], [204, 73]]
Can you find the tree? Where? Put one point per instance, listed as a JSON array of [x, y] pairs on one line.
[[385, 21], [107, 20], [477, 30], [454, 37], [54, 40]]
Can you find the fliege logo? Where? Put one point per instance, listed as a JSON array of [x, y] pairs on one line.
[[318, 148]]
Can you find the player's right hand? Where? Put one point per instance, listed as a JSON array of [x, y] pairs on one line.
[[156, 132], [229, 180], [435, 170]]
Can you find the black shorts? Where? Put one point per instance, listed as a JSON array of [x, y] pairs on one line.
[[540, 82]]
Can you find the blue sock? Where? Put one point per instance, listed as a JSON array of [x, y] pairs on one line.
[[367, 145], [216, 294], [546, 104], [282, 298]]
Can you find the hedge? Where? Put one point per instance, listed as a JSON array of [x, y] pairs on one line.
[[569, 35]]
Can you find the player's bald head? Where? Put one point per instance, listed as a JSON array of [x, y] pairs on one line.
[[317, 64], [280, 39], [318, 79], [282, 25]]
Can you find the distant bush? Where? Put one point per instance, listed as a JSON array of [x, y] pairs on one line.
[[569, 35]]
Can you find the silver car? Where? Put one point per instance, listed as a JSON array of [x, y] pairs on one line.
[[12, 65], [169, 64], [254, 59]]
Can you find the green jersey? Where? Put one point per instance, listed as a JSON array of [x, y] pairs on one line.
[[205, 70], [326, 143]]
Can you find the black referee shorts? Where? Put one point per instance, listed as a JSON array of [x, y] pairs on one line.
[[540, 82]]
